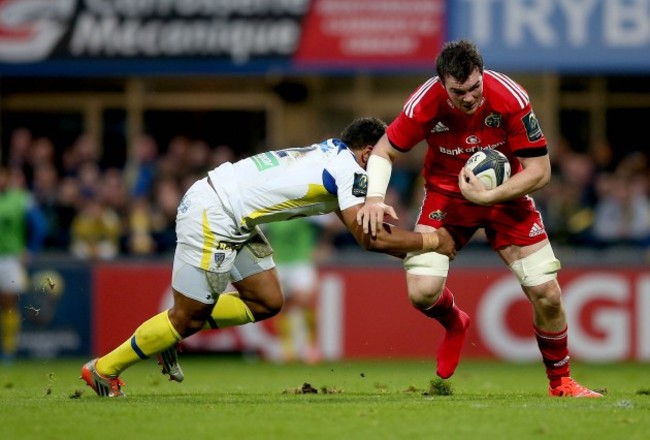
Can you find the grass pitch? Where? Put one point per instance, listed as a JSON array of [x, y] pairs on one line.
[[230, 398]]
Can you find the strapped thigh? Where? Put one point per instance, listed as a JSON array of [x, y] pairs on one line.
[[537, 268], [427, 263]]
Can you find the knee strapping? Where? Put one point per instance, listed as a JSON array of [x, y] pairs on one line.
[[537, 268], [427, 263]]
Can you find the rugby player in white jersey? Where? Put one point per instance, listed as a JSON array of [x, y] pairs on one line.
[[219, 242]]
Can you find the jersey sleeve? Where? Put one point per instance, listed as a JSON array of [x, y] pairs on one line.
[[525, 133], [351, 181], [405, 132], [412, 124]]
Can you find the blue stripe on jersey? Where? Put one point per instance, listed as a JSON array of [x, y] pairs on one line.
[[329, 183], [338, 143]]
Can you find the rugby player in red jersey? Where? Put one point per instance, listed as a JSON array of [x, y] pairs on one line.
[[464, 109]]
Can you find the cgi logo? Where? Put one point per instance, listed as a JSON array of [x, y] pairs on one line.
[[30, 29]]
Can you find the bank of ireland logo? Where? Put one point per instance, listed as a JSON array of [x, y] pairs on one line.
[[31, 29]]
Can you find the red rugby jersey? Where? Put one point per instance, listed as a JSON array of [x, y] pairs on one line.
[[504, 121]]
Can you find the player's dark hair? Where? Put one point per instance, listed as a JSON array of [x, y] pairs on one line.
[[458, 59], [363, 132]]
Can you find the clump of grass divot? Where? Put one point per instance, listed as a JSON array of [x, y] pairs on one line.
[[330, 390], [412, 389], [76, 395], [439, 387], [305, 389], [381, 387]]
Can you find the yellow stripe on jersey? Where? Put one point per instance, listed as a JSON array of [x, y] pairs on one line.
[[208, 242], [315, 194]]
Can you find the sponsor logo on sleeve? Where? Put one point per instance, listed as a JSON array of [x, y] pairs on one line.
[[533, 130], [360, 185], [264, 161]]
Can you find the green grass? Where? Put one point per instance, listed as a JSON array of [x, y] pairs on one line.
[[228, 398]]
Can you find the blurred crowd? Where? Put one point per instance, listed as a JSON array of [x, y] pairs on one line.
[[598, 198], [100, 212]]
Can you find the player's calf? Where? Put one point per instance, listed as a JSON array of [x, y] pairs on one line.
[[452, 344]]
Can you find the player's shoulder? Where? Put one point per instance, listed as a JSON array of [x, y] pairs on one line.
[[337, 158], [505, 92], [426, 96]]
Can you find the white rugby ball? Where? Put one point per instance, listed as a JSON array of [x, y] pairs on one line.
[[491, 167]]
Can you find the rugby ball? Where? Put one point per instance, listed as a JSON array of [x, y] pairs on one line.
[[491, 167]]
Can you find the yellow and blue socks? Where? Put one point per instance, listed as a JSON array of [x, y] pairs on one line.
[[229, 311], [152, 336]]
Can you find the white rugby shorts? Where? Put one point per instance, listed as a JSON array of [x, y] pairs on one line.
[[13, 277], [205, 259]]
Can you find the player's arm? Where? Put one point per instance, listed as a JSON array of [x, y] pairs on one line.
[[380, 164], [395, 241], [536, 174]]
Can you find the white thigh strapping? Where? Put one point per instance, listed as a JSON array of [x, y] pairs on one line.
[[537, 268], [427, 263]]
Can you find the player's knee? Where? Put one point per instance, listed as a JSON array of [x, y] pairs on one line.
[[423, 291], [538, 268], [270, 308], [546, 298], [264, 306], [187, 322], [425, 277]]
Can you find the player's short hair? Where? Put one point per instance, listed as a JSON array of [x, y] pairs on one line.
[[458, 59], [363, 132]]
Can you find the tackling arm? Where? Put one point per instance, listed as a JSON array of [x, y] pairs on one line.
[[379, 167], [395, 241]]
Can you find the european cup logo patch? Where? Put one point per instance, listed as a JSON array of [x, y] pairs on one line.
[[360, 185], [533, 130]]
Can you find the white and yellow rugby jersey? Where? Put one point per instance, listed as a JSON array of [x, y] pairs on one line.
[[279, 185]]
